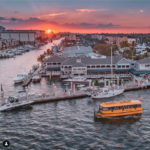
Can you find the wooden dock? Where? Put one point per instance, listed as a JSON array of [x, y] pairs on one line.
[[43, 98], [60, 97], [29, 77]]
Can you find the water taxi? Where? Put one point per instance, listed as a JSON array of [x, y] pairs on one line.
[[122, 108]]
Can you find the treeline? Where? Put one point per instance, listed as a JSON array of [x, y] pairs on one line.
[[41, 58]]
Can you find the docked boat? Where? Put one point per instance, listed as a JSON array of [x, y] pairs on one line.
[[20, 77], [122, 108], [80, 85], [13, 103], [36, 78], [106, 93], [77, 79]]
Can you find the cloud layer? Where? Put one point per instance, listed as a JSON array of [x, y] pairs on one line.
[[79, 16]]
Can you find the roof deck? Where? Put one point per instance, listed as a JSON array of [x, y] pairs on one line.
[[122, 103]]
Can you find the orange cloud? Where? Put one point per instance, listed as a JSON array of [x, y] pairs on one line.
[[89, 10], [51, 15]]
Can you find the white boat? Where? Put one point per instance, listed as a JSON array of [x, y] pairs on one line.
[[36, 78], [77, 79], [20, 77], [80, 85], [106, 93], [13, 102]]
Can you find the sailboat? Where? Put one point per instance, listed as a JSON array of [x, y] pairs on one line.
[[13, 102], [106, 92]]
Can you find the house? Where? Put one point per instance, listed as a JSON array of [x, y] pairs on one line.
[[53, 64], [131, 40], [142, 66]]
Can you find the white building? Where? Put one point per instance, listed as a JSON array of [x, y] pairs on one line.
[[22, 35], [130, 40]]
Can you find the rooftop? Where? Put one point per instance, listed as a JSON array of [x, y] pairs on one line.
[[144, 61], [122, 103]]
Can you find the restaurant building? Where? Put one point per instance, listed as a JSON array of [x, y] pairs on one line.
[[94, 67]]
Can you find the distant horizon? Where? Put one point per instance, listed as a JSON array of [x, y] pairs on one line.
[[83, 32]]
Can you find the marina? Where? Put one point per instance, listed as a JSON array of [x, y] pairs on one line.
[[74, 75], [65, 106]]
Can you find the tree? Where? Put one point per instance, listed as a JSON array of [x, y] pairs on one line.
[[20, 43], [127, 54], [124, 44], [133, 48], [41, 58], [49, 52], [102, 49]]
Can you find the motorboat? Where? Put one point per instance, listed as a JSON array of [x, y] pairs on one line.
[[107, 93], [77, 79], [121, 108], [80, 85], [13, 103], [20, 76], [36, 78]]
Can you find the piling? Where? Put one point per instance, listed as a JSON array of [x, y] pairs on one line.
[[2, 95], [90, 84], [50, 77], [122, 84], [104, 82], [71, 86], [55, 91], [133, 78], [108, 84], [93, 86], [117, 81], [74, 89], [138, 82], [26, 93]]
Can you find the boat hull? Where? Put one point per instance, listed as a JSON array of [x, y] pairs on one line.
[[107, 95], [101, 115], [18, 81], [11, 106], [36, 80]]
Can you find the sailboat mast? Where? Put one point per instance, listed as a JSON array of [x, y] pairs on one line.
[[111, 65]]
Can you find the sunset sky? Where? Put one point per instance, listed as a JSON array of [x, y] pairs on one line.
[[86, 16]]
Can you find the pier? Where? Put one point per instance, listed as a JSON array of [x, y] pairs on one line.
[[29, 77]]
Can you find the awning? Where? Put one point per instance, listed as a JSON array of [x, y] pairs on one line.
[[140, 71], [52, 68]]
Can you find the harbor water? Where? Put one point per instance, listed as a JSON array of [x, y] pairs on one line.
[[67, 124]]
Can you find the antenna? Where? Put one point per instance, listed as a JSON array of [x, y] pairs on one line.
[[111, 65]]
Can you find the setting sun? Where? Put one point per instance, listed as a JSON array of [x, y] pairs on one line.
[[48, 31]]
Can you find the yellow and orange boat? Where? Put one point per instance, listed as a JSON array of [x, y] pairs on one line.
[[122, 108]]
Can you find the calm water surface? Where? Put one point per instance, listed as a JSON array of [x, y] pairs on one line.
[[68, 124]]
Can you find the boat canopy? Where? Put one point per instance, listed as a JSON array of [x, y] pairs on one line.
[[122, 103]]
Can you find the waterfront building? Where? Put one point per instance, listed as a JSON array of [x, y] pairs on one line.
[[76, 51], [142, 66], [89, 67], [53, 64], [25, 36]]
